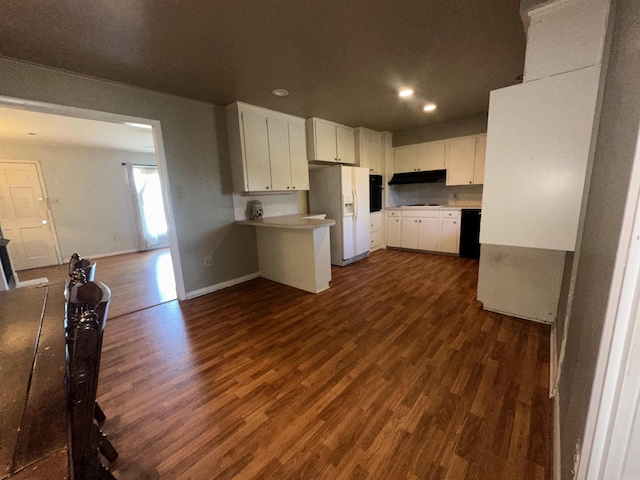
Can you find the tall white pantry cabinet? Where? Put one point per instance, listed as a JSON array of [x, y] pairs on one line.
[[539, 148]]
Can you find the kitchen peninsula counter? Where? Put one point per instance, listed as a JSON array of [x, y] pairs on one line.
[[290, 221], [294, 250]]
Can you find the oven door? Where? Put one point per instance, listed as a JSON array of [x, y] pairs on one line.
[[375, 193]]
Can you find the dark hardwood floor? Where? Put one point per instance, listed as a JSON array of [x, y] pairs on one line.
[[393, 373], [137, 280]]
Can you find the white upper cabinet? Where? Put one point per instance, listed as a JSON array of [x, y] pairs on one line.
[[478, 166], [256, 151], [460, 161], [330, 142], [298, 156], [462, 157], [405, 159], [279, 153], [420, 157], [369, 150], [267, 148], [431, 156]]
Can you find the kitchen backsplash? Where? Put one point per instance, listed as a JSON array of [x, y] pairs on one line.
[[433, 193], [273, 205]]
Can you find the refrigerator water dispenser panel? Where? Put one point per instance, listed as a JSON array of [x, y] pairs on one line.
[[347, 205]]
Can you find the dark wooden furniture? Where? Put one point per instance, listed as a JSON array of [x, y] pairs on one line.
[[6, 269], [33, 419], [87, 306]]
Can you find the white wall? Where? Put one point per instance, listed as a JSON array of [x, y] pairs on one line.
[[197, 155], [272, 205], [89, 195]]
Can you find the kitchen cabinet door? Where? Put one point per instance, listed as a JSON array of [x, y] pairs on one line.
[[369, 150], [325, 141], [409, 235], [431, 156], [405, 159], [345, 144], [450, 235], [478, 168], [298, 157], [256, 151], [461, 159], [428, 233], [394, 232], [278, 130]]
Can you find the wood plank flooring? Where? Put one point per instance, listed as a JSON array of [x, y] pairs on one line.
[[137, 280], [393, 373]]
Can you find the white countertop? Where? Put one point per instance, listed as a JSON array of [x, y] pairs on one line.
[[434, 207], [290, 221]]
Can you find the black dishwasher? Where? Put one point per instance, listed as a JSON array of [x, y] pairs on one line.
[[470, 233]]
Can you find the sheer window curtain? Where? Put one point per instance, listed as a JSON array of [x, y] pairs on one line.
[[151, 222]]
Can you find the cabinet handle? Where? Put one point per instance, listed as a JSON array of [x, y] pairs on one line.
[[340, 160], [335, 159], [454, 223], [294, 187], [288, 188], [267, 188], [470, 181], [419, 221]]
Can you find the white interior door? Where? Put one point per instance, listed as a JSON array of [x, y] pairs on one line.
[[25, 217]]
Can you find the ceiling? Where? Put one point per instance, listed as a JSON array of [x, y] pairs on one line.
[[341, 60], [17, 125]]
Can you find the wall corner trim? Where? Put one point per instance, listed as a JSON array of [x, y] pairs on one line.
[[220, 286], [557, 471]]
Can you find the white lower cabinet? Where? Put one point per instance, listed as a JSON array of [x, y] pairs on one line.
[[409, 233], [433, 230], [450, 235], [375, 230], [428, 233], [394, 229]]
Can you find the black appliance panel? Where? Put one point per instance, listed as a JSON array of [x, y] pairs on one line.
[[375, 193], [470, 233]]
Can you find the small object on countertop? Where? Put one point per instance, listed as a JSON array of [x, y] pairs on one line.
[[255, 209]]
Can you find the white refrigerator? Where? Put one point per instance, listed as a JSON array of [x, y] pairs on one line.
[[343, 194]]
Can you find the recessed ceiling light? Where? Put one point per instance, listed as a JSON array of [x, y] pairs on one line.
[[405, 92], [429, 107], [280, 92], [138, 125]]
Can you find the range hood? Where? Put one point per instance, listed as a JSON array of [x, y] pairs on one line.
[[429, 176]]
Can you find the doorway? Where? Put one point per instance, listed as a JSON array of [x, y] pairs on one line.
[[162, 233]]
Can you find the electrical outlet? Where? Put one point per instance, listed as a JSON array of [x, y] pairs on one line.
[[208, 261]]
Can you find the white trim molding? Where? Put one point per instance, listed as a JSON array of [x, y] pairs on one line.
[[220, 286]]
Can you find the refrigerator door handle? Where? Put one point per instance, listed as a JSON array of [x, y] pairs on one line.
[[355, 205]]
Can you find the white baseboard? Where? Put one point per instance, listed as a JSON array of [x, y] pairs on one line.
[[220, 286], [553, 361], [32, 283], [511, 314], [112, 254], [557, 472]]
